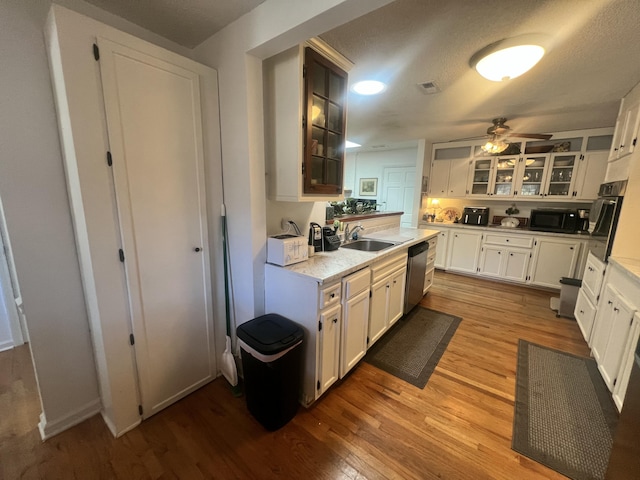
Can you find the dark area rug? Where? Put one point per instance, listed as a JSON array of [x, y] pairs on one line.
[[564, 416], [412, 348]]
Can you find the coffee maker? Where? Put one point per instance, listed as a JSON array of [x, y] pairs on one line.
[[583, 220], [315, 237]]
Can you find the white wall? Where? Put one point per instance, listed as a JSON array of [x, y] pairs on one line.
[[36, 206], [237, 52]]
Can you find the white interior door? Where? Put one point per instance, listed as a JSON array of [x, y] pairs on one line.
[[399, 187], [155, 135]]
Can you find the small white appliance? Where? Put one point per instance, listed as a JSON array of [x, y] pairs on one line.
[[287, 249]]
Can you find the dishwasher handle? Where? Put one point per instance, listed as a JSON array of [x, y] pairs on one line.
[[418, 248]]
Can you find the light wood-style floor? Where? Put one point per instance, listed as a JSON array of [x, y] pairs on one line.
[[370, 426]]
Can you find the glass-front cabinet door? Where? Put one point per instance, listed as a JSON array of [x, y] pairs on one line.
[[532, 181], [324, 125], [561, 174], [480, 177], [504, 176]]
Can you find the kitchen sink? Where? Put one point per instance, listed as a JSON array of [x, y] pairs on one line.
[[368, 245]]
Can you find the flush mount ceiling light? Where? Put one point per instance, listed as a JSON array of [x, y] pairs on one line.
[[349, 144], [368, 87], [509, 58]]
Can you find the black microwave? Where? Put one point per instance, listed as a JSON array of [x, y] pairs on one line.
[[554, 220]]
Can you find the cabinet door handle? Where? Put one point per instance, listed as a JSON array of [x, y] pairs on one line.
[[197, 249], [333, 295], [616, 309], [609, 302], [590, 269], [511, 254], [581, 311], [570, 248], [335, 320]]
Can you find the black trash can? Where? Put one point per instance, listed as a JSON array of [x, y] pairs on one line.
[[271, 349]]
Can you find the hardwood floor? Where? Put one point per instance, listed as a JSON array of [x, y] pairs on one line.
[[370, 426]]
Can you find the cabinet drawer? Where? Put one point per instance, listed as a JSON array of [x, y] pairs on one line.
[[432, 243], [388, 265], [330, 295], [428, 280], [356, 283], [524, 241], [585, 313], [431, 256]]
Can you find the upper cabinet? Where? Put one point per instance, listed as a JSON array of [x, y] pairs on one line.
[[305, 122], [574, 174], [625, 136]]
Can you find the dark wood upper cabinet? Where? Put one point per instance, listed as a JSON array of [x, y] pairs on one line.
[[323, 124]]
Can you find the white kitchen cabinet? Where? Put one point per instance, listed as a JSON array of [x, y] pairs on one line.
[[625, 134], [464, 251], [355, 319], [449, 177], [441, 250], [318, 310], [503, 257], [387, 295], [585, 313], [431, 260], [622, 382], [560, 176], [591, 172], [494, 177], [330, 327], [612, 327], [553, 258], [594, 271]]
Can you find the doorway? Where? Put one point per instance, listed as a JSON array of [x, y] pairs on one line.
[[398, 191]]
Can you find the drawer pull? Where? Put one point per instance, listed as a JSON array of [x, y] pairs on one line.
[[335, 320]]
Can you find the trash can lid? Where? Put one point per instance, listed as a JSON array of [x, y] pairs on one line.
[[269, 334]]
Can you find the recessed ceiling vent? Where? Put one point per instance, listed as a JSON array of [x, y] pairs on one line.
[[379, 146], [429, 88]]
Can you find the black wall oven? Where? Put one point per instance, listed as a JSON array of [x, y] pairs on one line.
[[604, 215]]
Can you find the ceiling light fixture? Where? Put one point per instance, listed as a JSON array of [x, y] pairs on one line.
[[495, 146], [369, 87], [349, 144], [509, 58]]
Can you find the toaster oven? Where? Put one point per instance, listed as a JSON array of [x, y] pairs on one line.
[[287, 249]]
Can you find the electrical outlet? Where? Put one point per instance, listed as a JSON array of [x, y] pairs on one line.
[[285, 223]]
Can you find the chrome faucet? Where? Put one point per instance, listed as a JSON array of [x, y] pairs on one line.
[[351, 234]]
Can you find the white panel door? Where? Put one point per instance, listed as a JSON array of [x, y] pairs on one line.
[[330, 347], [399, 188], [355, 327], [155, 135]]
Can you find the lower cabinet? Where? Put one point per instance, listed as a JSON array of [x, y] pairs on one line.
[[464, 251], [431, 261], [355, 319], [387, 295], [620, 388], [612, 326], [329, 330], [441, 250], [553, 258], [585, 313], [506, 263]]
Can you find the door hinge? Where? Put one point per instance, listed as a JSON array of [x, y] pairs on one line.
[[318, 385], [634, 141], [530, 255], [303, 168], [581, 157], [598, 297], [615, 381], [132, 340], [319, 326], [370, 293], [304, 71], [140, 409], [367, 340], [304, 122], [96, 52], [109, 159], [121, 255]]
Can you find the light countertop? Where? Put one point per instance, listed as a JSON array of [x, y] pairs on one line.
[[325, 267], [630, 265], [501, 229]]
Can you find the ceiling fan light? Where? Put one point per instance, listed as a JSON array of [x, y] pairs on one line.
[[494, 147]]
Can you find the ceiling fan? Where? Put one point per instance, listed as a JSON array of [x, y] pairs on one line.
[[499, 133]]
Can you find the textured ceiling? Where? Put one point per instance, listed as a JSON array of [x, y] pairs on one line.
[[593, 62], [186, 22]]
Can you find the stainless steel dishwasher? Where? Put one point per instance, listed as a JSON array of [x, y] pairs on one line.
[[416, 269]]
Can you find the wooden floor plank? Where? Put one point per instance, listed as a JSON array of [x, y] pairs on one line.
[[370, 425]]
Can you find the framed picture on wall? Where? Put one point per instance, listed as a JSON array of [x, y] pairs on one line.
[[368, 187]]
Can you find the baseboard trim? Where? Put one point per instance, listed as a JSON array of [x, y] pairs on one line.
[[49, 429], [112, 428], [8, 345]]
